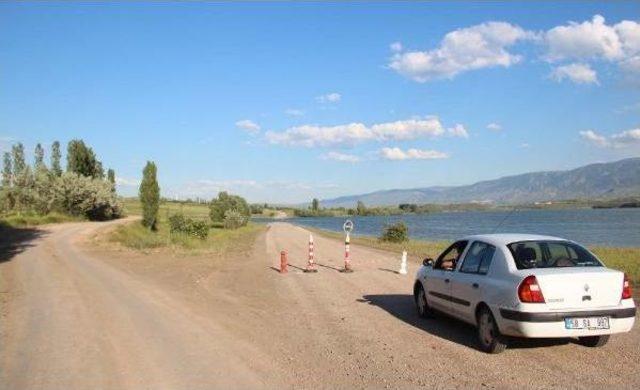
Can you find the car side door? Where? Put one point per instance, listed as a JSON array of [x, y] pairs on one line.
[[437, 283], [469, 280]]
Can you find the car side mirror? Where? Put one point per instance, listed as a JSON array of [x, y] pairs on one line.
[[428, 262]]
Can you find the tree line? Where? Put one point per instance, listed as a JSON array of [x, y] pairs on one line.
[[82, 190]]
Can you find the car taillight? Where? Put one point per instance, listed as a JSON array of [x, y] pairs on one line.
[[626, 288], [529, 291]]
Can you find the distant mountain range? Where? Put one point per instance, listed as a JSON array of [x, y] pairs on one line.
[[595, 181]]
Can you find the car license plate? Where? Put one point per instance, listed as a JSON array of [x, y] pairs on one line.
[[587, 323]]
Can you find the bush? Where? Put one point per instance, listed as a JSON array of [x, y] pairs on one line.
[[225, 202], [178, 223], [83, 196], [233, 219], [397, 232]]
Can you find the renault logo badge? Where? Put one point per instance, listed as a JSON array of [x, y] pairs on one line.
[[586, 288]]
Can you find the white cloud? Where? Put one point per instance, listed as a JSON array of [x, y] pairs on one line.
[[626, 138], [411, 154], [352, 133], [476, 47], [595, 40], [524, 145], [342, 157], [294, 112], [458, 131], [395, 47], [594, 138], [265, 191], [619, 140], [494, 126], [126, 182], [589, 39], [490, 44], [332, 97], [577, 72], [248, 126]]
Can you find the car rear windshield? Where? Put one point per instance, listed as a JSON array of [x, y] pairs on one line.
[[549, 254]]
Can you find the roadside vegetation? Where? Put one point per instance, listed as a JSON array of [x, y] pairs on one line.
[[213, 227], [36, 194]]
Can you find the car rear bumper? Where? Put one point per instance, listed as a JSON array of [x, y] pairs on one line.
[[551, 324]]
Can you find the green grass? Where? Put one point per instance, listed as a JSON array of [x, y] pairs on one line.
[[623, 259], [200, 211], [33, 219], [134, 235]]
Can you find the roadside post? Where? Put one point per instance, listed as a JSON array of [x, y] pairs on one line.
[[311, 265], [283, 262], [348, 228], [403, 264]]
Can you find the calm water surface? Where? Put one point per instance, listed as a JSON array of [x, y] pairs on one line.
[[608, 227]]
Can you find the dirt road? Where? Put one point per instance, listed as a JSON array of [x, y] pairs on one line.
[[79, 316]]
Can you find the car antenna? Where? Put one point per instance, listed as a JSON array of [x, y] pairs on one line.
[[504, 219]]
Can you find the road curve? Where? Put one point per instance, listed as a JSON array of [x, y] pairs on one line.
[[78, 318]]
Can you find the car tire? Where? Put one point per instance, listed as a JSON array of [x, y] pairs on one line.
[[594, 341], [422, 305], [489, 338]]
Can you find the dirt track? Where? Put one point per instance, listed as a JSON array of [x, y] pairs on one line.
[[76, 316]]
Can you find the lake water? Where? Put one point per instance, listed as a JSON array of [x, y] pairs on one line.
[[606, 227]]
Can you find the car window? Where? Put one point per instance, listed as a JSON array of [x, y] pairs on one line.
[[478, 258], [449, 258], [548, 254]]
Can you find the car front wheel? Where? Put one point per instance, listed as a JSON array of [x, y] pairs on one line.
[[594, 341], [489, 337]]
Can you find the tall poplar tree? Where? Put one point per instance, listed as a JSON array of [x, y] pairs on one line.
[[150, 196], [55, 159], [39, 157]]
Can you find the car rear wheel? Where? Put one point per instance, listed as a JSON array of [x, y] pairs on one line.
[[420, 297], [594, 341], [489, 337]]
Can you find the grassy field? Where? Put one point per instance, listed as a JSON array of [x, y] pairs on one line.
[[32, 219], [624, 259], [134, 235]]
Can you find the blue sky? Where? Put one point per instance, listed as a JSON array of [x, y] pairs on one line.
[[283, 102]]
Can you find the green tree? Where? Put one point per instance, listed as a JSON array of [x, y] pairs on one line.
[[361, 209], [82, 160], [6, 170], [18, 159], [111, 176], [39, 157], [226, 202], [55, 159], [315, 204], [150, 196]]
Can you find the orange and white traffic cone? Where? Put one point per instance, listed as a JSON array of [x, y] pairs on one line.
[[283, 262], [311, 265], [347, 261]]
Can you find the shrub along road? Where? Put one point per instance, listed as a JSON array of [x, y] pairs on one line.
[[80, 315]]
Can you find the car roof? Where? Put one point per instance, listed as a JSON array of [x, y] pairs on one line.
[[508, 238]]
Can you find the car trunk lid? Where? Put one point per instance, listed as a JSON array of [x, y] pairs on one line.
[[580, 288]]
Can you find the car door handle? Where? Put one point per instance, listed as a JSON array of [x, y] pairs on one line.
[[446, 280], [475, 285]]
